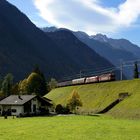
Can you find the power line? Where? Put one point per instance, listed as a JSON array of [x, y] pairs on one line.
[[92, 72]]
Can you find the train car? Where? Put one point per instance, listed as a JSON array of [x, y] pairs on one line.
[[93, 79], [107, 77], [88, 80], [63, 84], [78, 81]]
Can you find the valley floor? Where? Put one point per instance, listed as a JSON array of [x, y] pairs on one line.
[[69, 128]]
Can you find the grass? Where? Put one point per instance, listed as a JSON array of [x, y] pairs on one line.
[[69, 128], [96, 97]]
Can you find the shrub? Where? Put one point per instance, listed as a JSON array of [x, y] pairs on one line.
[[61, 109]]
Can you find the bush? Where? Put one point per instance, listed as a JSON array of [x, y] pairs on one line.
[[66, 110], [61, 109]]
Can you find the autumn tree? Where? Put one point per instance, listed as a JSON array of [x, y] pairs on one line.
[[23, 87], [74, 101]]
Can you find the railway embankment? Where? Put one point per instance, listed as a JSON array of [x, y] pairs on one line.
[[100, 96]]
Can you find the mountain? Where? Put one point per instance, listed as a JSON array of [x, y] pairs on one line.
[[99, 37], [23, 45], [114, 50], [122, 44], [49, 29], [111, 51], [79, 52]]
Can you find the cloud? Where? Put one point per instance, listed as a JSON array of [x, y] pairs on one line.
[[88, 15]]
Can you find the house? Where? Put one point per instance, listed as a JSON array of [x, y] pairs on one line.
[[24, 104]]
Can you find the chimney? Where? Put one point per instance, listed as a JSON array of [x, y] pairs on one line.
[[20, 97]]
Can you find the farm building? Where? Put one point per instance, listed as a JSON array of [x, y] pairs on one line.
[[24, 104]]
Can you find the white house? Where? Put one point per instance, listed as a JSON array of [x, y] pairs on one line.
[[24, 104]]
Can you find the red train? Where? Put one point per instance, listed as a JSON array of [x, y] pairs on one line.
[[87, 80]]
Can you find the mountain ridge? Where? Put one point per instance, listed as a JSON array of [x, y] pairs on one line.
[[23, 45], [114, 50]]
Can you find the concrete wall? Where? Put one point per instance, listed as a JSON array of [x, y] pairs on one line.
[[19, 110]]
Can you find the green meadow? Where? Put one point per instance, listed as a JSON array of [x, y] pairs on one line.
[[69, 128], [96, 97], [122, 122]]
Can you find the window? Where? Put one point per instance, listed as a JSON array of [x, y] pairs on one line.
[[14, 110]]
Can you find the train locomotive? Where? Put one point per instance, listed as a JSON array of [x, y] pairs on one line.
[[87, 80]]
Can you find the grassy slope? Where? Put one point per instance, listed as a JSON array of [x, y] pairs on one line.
[[69, 128], [96, 97]]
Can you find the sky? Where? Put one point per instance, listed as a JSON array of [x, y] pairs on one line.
[[115, 18]]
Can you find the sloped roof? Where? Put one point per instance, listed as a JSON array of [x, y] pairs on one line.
[[16, 99], [45, 101]]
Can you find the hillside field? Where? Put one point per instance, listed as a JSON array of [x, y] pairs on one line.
[[96, 97], [69, 128]]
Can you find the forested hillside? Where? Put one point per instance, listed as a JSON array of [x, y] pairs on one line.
[[23, 45]]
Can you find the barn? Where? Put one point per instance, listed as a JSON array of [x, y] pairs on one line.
[[24, 104]]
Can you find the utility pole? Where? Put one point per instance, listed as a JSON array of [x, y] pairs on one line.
[[80, 73]]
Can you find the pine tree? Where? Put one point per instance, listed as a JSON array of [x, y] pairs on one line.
[[136, 72], [7, 84], [15, 89], [37, 70], [43, 81], [36, 84]]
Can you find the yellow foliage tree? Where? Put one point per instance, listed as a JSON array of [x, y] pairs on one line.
[[23, 86], [74, 101]]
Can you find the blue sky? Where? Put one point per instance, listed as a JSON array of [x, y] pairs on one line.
[[111, 3], [27, 7], [115, 18]]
